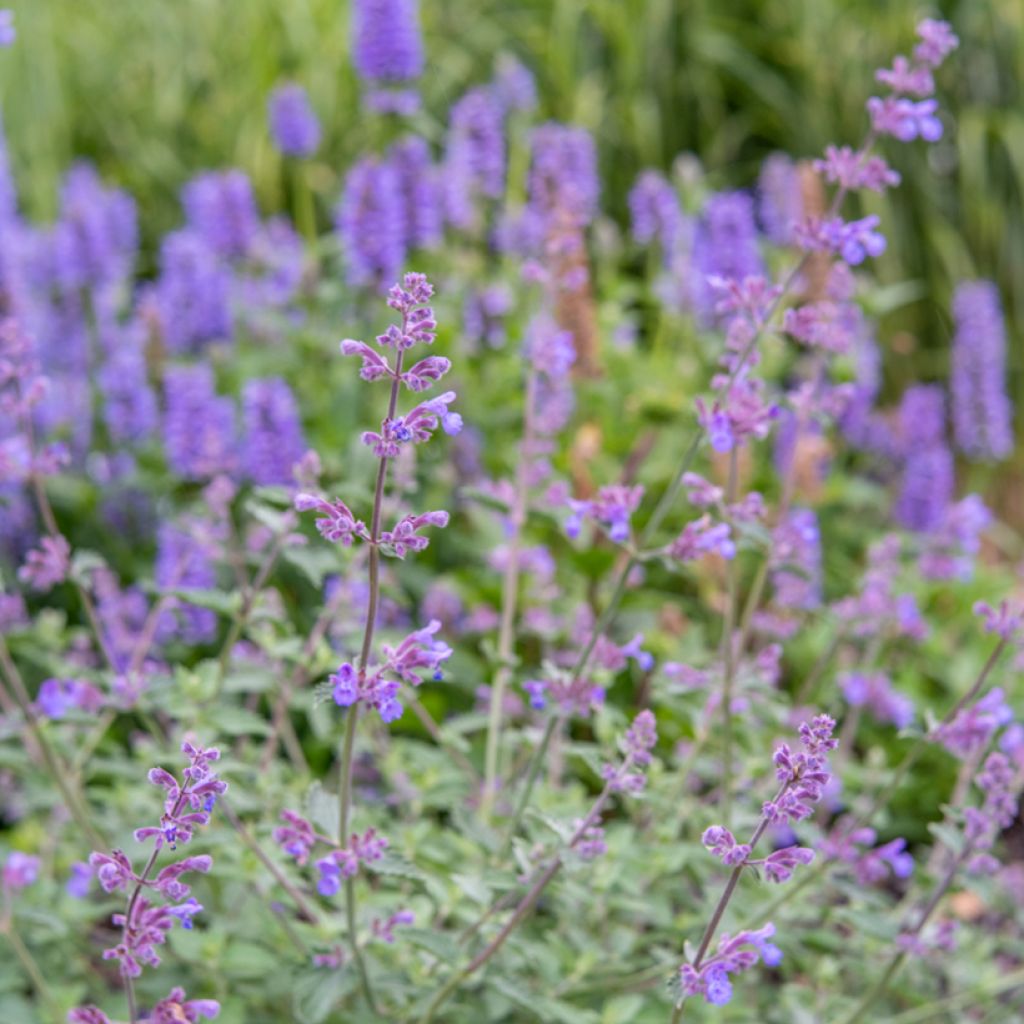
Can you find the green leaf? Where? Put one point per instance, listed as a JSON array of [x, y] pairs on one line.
[[317, 994], [322, 809], [394, 864], [220, 601], [622, 1009], [238, 722]]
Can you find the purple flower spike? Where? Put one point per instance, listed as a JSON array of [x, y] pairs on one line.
[[982, 412], [387, 47], [293, 125]]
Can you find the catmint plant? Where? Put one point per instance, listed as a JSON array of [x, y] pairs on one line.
[[375, 681]]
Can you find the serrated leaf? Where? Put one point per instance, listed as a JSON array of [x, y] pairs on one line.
[[238, 722], [394, 864], [322, 809], [313, 562], [443, 946], [219, 601], [316, 995]]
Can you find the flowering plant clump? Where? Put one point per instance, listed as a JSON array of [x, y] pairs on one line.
[[623, 629]]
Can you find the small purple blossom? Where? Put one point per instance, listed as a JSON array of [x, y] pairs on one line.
[[46, 565], [612, 509], [905, 119], [79, 881], [20, 870], [336, 522], [974, 726], [874, 691], [937, 42]]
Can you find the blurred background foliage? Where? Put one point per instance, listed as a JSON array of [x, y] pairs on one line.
[[155, 91]]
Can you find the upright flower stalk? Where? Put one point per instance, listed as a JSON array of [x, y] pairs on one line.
[[803, 776], [509, 599], [368, 684]]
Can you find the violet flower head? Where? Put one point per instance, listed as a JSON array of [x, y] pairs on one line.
[[803, 774], [1005, 620], [273, 440], [514, 85], [96, 237], [725, 246], [982, 413], [79, 881], [176, 1008], [199, 425], [872, 865], [296, 837], [20, 870], [937, 42], [612, 509], [852, 241], [927, 486], [655, 213], [875, 691], [905, 120], [129, 403], [46, 565], [974, 726], [184, 560], [563, 173], [475, 156], [703, 536], [387, 47], [852, 170], [385, 930], [56, 697], [405, 535], [8, 33], [796, 560], [780, 204], [293, 124], [950, 551], [419, 183], [734, 955], [371, 224], [191, 297], [221, 207], [336, 522]]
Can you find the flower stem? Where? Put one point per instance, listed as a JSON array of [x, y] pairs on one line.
[[729, 655], [509, 602], [720, 907], [351, 720]]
